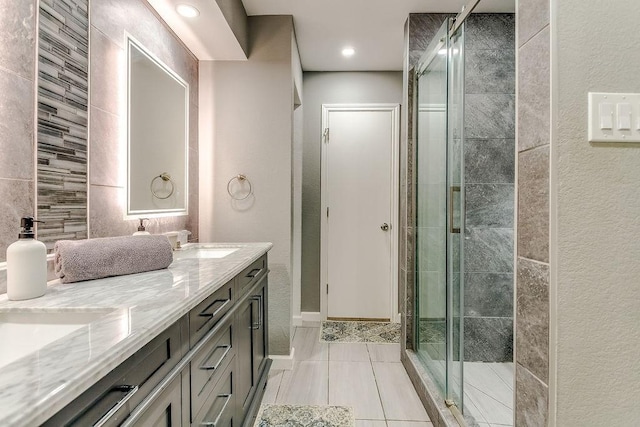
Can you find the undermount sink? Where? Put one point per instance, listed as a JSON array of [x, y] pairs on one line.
[[206, 252], [23, 332]]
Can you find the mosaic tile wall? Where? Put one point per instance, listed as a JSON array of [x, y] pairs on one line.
[[63, 92]]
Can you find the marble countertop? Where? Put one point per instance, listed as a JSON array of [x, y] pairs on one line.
[[138, 307]]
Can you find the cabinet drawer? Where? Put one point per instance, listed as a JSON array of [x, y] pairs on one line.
[[209, 363], [205, 315], [110, 401], [219, 409], [166, 409], [251, 275]]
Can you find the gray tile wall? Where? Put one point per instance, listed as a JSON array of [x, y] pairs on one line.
[[17, 107], [489, 174], [532, 277], [109, 21], [489, 150]]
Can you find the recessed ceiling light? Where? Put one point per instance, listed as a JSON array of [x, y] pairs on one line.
[[187, 11], [348, 51]]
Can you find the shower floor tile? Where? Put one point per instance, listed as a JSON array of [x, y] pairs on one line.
[[488, 393]]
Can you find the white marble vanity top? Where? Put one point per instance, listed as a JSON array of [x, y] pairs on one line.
[[131, 310]]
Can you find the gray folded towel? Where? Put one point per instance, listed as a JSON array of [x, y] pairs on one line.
[[77, 260]]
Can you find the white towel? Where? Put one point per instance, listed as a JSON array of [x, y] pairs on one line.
[[78, 260]]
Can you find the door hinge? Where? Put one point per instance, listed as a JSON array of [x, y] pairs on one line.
[[327, 288], [327, 211], [325, 134]]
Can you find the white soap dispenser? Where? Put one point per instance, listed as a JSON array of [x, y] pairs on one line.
[[141, 230], [26, 264]]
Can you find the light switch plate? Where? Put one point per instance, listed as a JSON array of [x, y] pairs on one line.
[[605, 123]]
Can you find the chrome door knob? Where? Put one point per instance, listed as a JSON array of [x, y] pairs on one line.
[[384, 227]]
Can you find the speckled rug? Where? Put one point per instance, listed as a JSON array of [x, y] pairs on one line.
[[304, 416], [357, 331]]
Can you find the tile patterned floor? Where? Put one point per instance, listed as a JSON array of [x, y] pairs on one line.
[[355, 331], [367, 377]]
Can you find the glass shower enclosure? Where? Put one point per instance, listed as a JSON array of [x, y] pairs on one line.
[[464, 124], [439, 95]]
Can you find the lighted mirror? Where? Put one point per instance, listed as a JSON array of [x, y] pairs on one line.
[[158, 117]]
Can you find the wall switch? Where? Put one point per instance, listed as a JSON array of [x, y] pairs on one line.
[[624, 116], [606, 115], [614, 117]]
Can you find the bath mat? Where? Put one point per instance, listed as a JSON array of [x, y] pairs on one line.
[[356, 331], [304, 416]]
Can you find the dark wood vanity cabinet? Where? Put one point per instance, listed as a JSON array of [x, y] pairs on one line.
[[252, 345], [208, 369], [112, 400]]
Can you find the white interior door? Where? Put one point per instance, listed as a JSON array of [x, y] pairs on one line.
[[359, 216]]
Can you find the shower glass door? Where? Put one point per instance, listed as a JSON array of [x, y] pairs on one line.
[[439, 205]]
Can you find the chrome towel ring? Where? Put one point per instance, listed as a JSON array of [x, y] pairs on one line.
[[165, 177], [240, 178]]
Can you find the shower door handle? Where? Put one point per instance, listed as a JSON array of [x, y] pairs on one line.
[[452, 190]]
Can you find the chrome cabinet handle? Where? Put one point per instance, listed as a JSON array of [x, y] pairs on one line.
[[384, 227], [131, 390], [259, 299], [218, 310], [215, 423], [253, 273], [215, 366]]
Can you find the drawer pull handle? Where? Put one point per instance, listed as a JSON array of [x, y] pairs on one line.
[[253, 273], [217, 311], [216, 422], [130, 390], [217, 364], [259, 324]]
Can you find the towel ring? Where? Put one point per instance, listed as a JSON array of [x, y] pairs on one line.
[[239, 178], [164, 176]]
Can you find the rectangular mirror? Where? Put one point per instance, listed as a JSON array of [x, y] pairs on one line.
[[158, 135]]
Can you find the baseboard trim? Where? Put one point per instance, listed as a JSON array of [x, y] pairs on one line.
[[308, 318], [283, 363]]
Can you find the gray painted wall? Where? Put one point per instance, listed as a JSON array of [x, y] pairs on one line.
[[324, 88], [595, 245], [250, 106]]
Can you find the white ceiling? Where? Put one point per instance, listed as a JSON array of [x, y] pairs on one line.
[[374, 28]]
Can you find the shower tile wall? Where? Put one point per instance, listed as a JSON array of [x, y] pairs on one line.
[[489, 174], [489, 150], [109, 20], [532, 280]]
